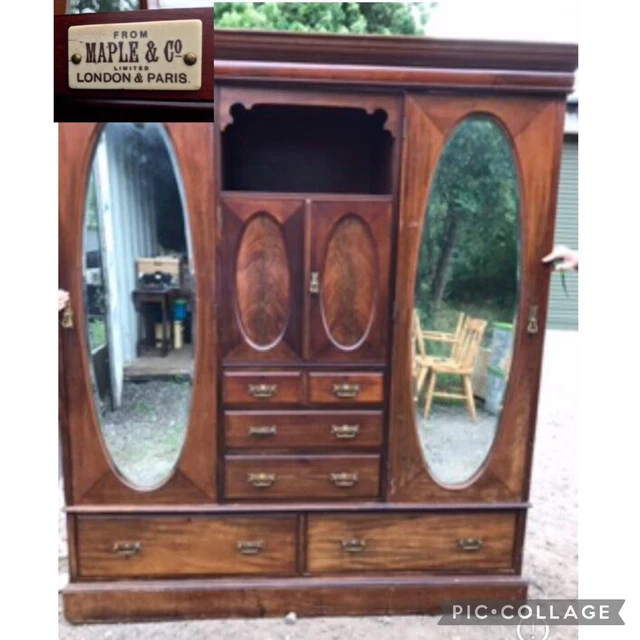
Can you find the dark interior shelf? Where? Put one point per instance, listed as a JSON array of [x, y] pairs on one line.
[[301, 149]]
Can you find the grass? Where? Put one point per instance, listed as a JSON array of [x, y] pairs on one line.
[[97, 333]]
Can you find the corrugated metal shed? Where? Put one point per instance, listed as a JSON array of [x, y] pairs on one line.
[[563, 308]]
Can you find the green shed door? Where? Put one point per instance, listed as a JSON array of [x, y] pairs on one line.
[[563, 309]]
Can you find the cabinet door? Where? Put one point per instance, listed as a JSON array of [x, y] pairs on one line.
[[349, 280], [150, 442], [262, 260]]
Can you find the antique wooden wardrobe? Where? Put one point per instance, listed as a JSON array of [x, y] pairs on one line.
[[307, 479]]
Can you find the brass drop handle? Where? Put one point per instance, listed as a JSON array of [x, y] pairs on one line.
[[262, 391], [127, 549], [261, 480], [262, 431], [532, 325], [67, 318], [314, 285], [345, 431], [344, 480], [250, 547], [353, 546], [470, 544], [346, 390]]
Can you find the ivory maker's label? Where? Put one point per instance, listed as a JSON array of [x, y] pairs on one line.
[[136, 55]]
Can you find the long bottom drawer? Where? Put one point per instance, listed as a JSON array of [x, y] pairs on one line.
[[411, 542], [168, 546]]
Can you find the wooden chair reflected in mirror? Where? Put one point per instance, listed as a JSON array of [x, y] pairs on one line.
[[461, 363]]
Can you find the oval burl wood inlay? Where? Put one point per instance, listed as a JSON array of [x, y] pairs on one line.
[[263, 282], [349, 283]]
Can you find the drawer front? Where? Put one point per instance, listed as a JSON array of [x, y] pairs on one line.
[[303, 429], [162, 547], [411, 542], [262, 388], [302, 477], [345, 388]]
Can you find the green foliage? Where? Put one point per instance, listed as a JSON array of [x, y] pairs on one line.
[[469, 252], [386, 18], [95, 6]]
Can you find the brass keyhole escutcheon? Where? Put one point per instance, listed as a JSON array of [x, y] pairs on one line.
[[67, 318], [532, 325], [314, 285]]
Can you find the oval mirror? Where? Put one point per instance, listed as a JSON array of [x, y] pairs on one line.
[[465, 300], [139, 301]]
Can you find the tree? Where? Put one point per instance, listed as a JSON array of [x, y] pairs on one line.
[[96, 6], [469, 250], [386, 18]]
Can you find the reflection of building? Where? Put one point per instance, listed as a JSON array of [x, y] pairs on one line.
[[563, 308]]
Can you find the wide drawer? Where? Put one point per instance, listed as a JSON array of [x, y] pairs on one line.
[[155, 547], [302, 429], [302, 477], [262, 387], [344, 388], [411, 542]]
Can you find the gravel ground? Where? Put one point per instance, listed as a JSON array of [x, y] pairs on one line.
[[145, 434], [455, 447], [551, 547]]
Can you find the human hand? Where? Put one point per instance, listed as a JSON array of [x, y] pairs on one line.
[[564, 259], [63, 299]]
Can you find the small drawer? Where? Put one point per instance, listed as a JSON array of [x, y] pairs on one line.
[[162, 547], [302, 477], [302, 429], [343, 388], [411, 542], [262, 387]]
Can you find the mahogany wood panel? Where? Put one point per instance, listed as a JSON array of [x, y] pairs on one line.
[[264, 388], [302, 477], [186, 546], [257, 598], [261, 284], [535, 128], [327, 388], [411, 542], [61, 26], [385, 77], [371, 50], [89, 473], [249, 97], [60, 7], [302, 429], [350, 250]]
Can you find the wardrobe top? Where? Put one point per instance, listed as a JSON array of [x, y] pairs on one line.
[[390, 51]]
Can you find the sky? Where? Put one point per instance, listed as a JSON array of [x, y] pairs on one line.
[[543, 21]]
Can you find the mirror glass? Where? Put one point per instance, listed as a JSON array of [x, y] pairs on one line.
[[139, 301], [465, 300]]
